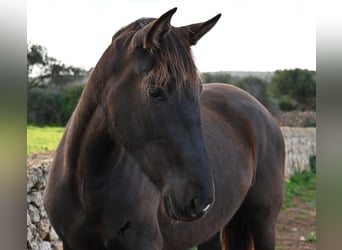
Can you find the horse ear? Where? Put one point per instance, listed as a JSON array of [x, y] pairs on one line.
[[197, 30], [154, 31]]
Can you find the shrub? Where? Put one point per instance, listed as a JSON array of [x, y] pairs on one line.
[[51, 106], [312, 161], [69, 99], [223, 77], [43, 106], [298, 84], [287, 104], [256, 87]]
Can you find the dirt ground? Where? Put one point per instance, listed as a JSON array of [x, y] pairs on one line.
[[294, 227]]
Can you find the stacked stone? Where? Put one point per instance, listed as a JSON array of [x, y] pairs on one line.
[[40, 234], [300, 145]]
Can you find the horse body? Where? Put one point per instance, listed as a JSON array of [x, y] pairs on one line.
[[147, 162], [246, 152]]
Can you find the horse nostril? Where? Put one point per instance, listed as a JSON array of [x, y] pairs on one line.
[[194, 207], [198, 210]]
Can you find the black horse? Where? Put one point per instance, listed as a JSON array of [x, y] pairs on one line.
[[152, 159]]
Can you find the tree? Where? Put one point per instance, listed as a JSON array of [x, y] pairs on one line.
[[43, 106], [69, 98], [256, 87], [297, 84], [51, 94], [223, 77], [44, 70]]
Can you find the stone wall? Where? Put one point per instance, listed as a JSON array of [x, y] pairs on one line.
[[300, 145], [40, 234]]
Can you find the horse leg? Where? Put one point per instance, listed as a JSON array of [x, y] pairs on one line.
[[214, 243], [261, 213], [236, 234], [262, 225], [264, 237]]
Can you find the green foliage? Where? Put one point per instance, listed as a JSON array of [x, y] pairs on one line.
[[51, 106], [43, 106], [46, 71], [312, 161], [298, 84], [311, 237], [256, 87], [53, 88], [69, 98], [36, 55], [218, 77], [286, 103], [302, 185], [40, 139], [309, 124]]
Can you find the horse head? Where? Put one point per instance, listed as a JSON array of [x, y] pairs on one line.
[[150, 97]]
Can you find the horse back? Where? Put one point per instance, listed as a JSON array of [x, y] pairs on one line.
[[247, 123], [240, 113]]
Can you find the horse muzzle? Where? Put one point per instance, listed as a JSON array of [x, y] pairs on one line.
[[192, 211]]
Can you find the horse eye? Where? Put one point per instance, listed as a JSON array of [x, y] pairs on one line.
[[155, 92]]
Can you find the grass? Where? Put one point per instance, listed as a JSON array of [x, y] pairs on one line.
[[40, 139], [302, 186], [311, 237]]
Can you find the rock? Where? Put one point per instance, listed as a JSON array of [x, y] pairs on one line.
[[35, 178], [57, 245], [34, 245], [36, 198], [28, 219], [34, 213], [42, 212], [53, 235], [32, 179], [32, 237], [29, 235], [43, 228], [45, 245]]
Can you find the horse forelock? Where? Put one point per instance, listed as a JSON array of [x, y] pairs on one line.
[[172, 61]]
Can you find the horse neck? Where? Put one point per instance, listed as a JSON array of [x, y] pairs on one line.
[[87, 136]]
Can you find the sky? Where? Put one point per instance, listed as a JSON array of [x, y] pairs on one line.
[[252, 35]]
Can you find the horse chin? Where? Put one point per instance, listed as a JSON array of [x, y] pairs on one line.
[[173, 213]]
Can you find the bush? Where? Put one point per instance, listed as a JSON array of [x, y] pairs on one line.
[[256, 87], [51, 106], [222, 77], [69, 99], [312, 161], [43, 106], [298, 84], [287, 104]]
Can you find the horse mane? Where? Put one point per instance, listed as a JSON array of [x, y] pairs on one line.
[[173, 60]]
